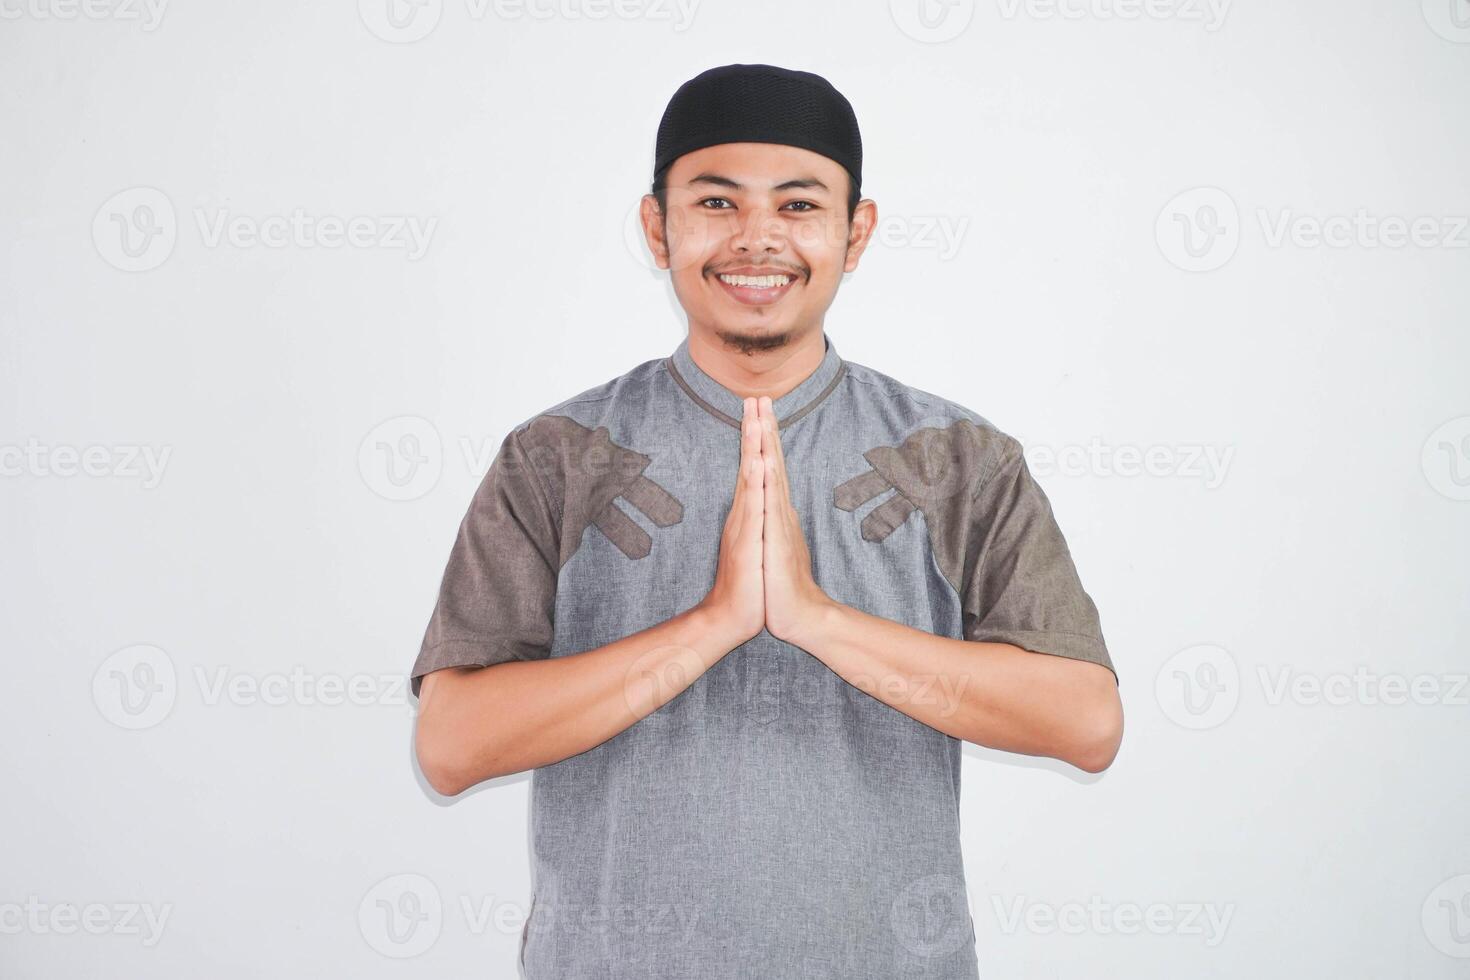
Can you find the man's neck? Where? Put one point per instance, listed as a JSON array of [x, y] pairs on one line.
[[751, 371]]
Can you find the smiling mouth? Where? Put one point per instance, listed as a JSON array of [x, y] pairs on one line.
[[757, 290]]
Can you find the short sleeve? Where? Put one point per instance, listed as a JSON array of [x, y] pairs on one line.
[[498, 595], [1020, 585]]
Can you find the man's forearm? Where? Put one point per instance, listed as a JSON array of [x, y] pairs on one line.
[[477, 723], [993, 694]]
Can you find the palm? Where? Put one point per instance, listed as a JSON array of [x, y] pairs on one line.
[[790, 591]]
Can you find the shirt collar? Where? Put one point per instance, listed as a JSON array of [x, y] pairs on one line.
[[727, 406]]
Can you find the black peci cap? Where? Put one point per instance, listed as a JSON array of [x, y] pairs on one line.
[[760, 104]]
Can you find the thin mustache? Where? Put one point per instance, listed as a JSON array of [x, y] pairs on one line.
[[768, 270]]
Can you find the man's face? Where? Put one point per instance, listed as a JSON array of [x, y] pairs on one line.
[[740, 213]]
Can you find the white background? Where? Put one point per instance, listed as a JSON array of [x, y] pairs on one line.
[[1129, 194]]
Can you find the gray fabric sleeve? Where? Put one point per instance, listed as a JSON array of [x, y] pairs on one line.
[[1020, 585], [498, 595]]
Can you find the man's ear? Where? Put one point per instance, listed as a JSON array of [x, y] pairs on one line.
[[860, 232], [654, 230]]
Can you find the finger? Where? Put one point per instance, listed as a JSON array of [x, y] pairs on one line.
[[740, 506], [737, 510], [776, 465], [772, 494], [750, 500], [778, 451]]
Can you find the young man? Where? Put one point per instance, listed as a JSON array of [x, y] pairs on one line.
[[738, 607]]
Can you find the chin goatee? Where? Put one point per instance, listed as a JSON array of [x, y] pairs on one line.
[[749, 345]]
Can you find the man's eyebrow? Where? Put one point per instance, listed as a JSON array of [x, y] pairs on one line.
[[796, 183]]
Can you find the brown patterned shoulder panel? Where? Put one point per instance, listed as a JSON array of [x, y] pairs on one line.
[[585, 471], [934, 471]]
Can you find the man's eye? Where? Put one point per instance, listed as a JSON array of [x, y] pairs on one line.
[[724, 204]]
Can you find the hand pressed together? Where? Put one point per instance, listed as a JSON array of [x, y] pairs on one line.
[[764, 574]]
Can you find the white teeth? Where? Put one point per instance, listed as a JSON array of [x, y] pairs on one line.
[[760, 282]]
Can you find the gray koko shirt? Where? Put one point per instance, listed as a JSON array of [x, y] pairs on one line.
[[772, 820]]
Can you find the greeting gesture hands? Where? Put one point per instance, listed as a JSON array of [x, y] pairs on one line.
[[792, 595], [736, 602], [764, 574]]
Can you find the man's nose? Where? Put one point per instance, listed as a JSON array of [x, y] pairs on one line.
[[759, 228]]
